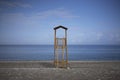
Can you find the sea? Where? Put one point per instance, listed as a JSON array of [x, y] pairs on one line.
[[46, 52]]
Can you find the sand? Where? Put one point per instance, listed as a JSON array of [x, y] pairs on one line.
[[45, 70]]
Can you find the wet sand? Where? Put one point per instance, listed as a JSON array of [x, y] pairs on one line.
[[45, 70]]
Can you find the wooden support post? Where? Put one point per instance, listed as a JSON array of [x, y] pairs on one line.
[[66, 48]]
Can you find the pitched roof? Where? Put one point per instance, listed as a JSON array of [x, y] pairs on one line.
[[60, 27]]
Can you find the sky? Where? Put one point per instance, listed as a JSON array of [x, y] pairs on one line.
[[89, 22]]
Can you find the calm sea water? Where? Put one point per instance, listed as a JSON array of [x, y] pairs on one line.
[[46, 52]]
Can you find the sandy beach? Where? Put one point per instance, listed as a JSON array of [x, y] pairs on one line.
[[45, 70]]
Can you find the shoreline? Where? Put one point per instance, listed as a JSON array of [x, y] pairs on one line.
[[68, 60], [50, 64], [51, 61]]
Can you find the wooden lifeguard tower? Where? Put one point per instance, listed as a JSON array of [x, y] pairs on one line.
[[60, 49]]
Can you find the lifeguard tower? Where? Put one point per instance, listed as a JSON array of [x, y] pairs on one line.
[[60, 49]]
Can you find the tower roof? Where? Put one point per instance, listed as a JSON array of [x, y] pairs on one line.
[[60, 27]]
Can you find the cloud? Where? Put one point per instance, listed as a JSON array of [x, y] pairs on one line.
[[60, 13], [90, 37], [115, 37], [36, 24], [42, 16], [37, 18], [99, 36], [15, 4]]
